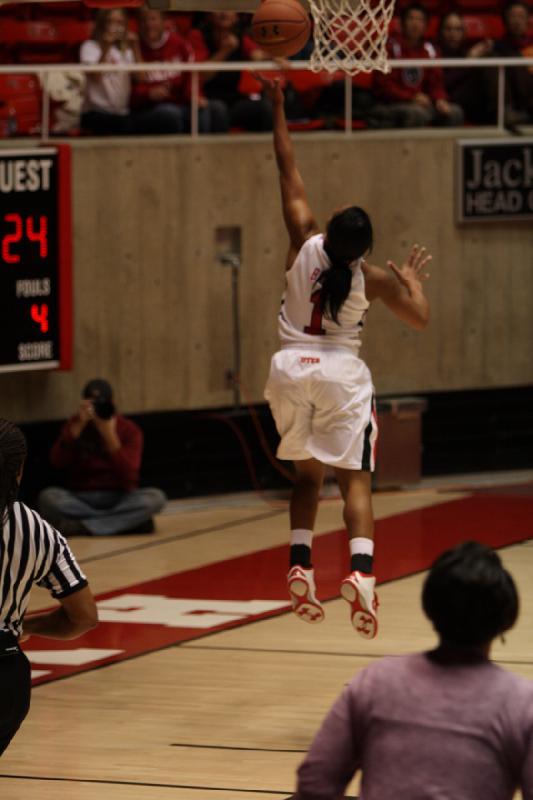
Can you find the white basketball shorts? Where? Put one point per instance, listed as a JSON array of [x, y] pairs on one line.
[[323, 404]]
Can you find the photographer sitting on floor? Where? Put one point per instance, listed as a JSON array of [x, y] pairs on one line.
[[100, 452]]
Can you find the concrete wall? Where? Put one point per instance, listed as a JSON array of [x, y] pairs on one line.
[[152, 305]]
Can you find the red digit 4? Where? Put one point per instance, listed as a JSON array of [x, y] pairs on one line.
[[40, 235], [39, 314]]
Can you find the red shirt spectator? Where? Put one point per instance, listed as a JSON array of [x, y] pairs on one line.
[[159, 44], [402, 85], [413, 96], [90, 466]]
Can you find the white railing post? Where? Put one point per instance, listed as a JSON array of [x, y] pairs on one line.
[[45, 108], [195, 103], [501, 98], [348, 105]]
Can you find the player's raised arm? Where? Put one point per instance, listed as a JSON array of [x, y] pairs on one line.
[[402, 289], [299, 218]]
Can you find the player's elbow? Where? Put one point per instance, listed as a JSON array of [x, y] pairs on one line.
[[419, 317], [87, 622], [82, 614], [420, 323], [83, 624], [91, 619]]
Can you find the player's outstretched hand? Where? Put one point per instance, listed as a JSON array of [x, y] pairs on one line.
[[412, 270], [271, 87]]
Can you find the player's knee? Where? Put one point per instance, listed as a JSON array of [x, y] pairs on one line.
[[358, 499], [155, 500], [309, 482], [455, 117], [359, 504], [51, 498], [415, 119]]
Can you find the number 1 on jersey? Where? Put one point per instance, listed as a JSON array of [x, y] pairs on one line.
[[315, 328]]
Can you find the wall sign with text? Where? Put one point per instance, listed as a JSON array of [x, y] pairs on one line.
[[36, 259], [495, 179]]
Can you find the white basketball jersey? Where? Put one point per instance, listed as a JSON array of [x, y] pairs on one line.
[[300, 319]]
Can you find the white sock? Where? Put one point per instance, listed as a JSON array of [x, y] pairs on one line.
[[301, 536], [361, 546]]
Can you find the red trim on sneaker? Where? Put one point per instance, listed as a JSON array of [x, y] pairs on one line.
[[363, 614], [301, 589]]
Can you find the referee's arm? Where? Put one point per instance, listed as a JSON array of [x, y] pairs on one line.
[[76, 615], [62, 576]]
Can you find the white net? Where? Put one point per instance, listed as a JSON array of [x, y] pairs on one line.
[[351, 35]]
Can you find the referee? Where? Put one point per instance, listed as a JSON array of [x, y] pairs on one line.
[[31, 551]]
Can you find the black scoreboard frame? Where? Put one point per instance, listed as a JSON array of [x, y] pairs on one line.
[[36, 258]]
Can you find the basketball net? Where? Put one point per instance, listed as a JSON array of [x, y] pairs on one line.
[[351, 36]]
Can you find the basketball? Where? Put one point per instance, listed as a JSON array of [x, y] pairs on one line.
[[281, 27]]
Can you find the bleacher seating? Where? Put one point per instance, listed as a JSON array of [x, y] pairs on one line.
[[51, 32], [478, 6], [20, 109], [477, 26], [67, 8], [44, 42], [482, 26]]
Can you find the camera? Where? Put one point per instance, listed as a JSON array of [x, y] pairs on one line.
[[104, 409], [100, 393]]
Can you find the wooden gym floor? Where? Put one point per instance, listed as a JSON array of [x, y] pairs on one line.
[[199, 684]]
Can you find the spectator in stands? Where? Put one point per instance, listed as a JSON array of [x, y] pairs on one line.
[[162, 101], [470, 88], [218, 39], [106, 106], [414, 97], [100, 452], [330, 103], [221, 38], [448, 723], [517, 41]]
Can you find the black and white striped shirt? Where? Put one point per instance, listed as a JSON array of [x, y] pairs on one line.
[[31, 551]]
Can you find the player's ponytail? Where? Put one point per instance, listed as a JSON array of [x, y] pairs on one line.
[[12, 455], [348, 237]]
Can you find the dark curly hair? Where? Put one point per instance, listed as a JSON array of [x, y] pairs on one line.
[[13, 451]]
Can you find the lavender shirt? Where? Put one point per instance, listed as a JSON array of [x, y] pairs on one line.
[[420, 730]]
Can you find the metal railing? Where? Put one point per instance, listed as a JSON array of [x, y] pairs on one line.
[[197, 68]]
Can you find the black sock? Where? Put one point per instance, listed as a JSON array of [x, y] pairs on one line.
[[300, 556], [360, 562]]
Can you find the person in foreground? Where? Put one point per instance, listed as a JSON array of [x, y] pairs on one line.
[[320, 392], [443, 725], [31, 552]]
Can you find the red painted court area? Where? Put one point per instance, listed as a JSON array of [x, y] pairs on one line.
[[187, 605]]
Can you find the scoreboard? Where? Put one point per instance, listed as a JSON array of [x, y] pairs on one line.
[[35, 259]]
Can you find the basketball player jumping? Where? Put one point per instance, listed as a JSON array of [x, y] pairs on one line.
[[320, 392]]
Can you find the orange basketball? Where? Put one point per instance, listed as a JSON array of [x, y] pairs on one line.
[[281, 27]]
